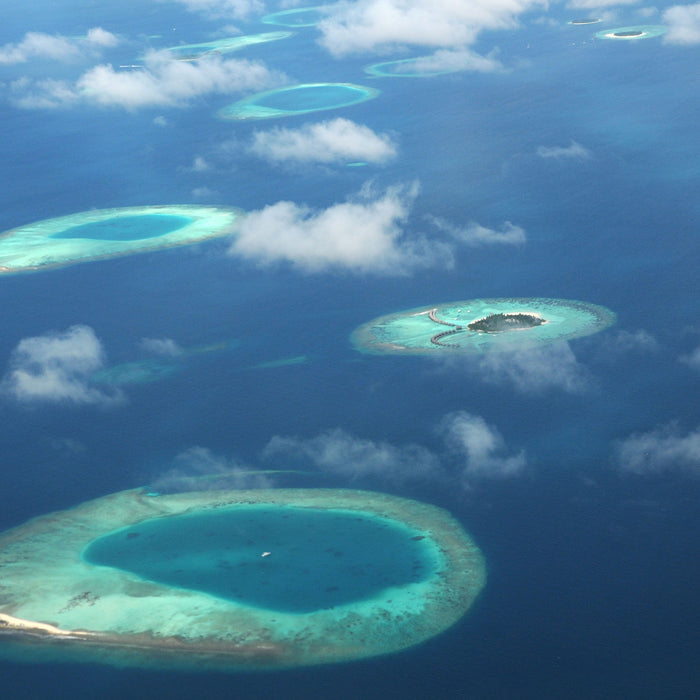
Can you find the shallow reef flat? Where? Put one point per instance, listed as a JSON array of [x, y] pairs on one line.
[[297, 99], [193, 52], [420, 67], [298, 17], [107, 233], [641, 31], [57, 604], [478, 325]]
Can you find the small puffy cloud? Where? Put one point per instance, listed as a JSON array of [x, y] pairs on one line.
[[693, 359], [683, 24], [204, 193], [575, 151], [480, 446], [160, 121], [165, 347], [453, 60], [57, 368], [476, 235], [595, 4], [661, 450], [631, 341], [200, 165], [100, 37], [371, 25], [200, 469], [56, 47], [228, 9], [162, 82], [533, 370], [338, 452], [362, 235], [324, 142]]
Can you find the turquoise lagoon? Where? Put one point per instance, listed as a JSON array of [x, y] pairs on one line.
[[298, 99]]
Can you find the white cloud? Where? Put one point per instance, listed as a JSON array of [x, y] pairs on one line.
[[595, 4], [200, 469], [476, 235], [453, 60], [200, 165], [56, 47], [661, 450], [204, 193], [693, 359], [338, 452], [160, 121], [162, 82], [363, 235], [166, 347], [216, 9], [480, 446], [324, 142], [683, 24], [100, 37], [533, 370], [57, 368], [631, 341], [575, 151], [370, 25]]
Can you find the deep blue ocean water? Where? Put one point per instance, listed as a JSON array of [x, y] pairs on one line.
[[593, 572]]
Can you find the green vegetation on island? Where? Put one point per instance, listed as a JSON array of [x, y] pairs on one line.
[[498, 323]]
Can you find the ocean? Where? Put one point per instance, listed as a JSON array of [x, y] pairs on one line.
[[587, 145]]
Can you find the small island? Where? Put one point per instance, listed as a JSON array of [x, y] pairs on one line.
[[499, 323], [585, 20], [481, 325]]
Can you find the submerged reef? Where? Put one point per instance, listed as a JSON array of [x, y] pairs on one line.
[[480, 325], [193, 52], [297, 99], [643, 31], [585, 20], [202, 579], [153, 369], [108, 233], [420, 67], [299, 17]]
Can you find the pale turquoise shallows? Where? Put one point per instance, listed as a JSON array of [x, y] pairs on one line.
[[421, 67], [107, 233], [297, 99], [193, 52], [445, 327], [299, 17], [641, 31], [234, 580]]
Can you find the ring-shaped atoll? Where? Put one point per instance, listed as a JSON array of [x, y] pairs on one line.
[[193, 52], [234, 580], [108, 233], [642, 31], [479, 325], [419, 67], [299, 17], [297, 99]]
